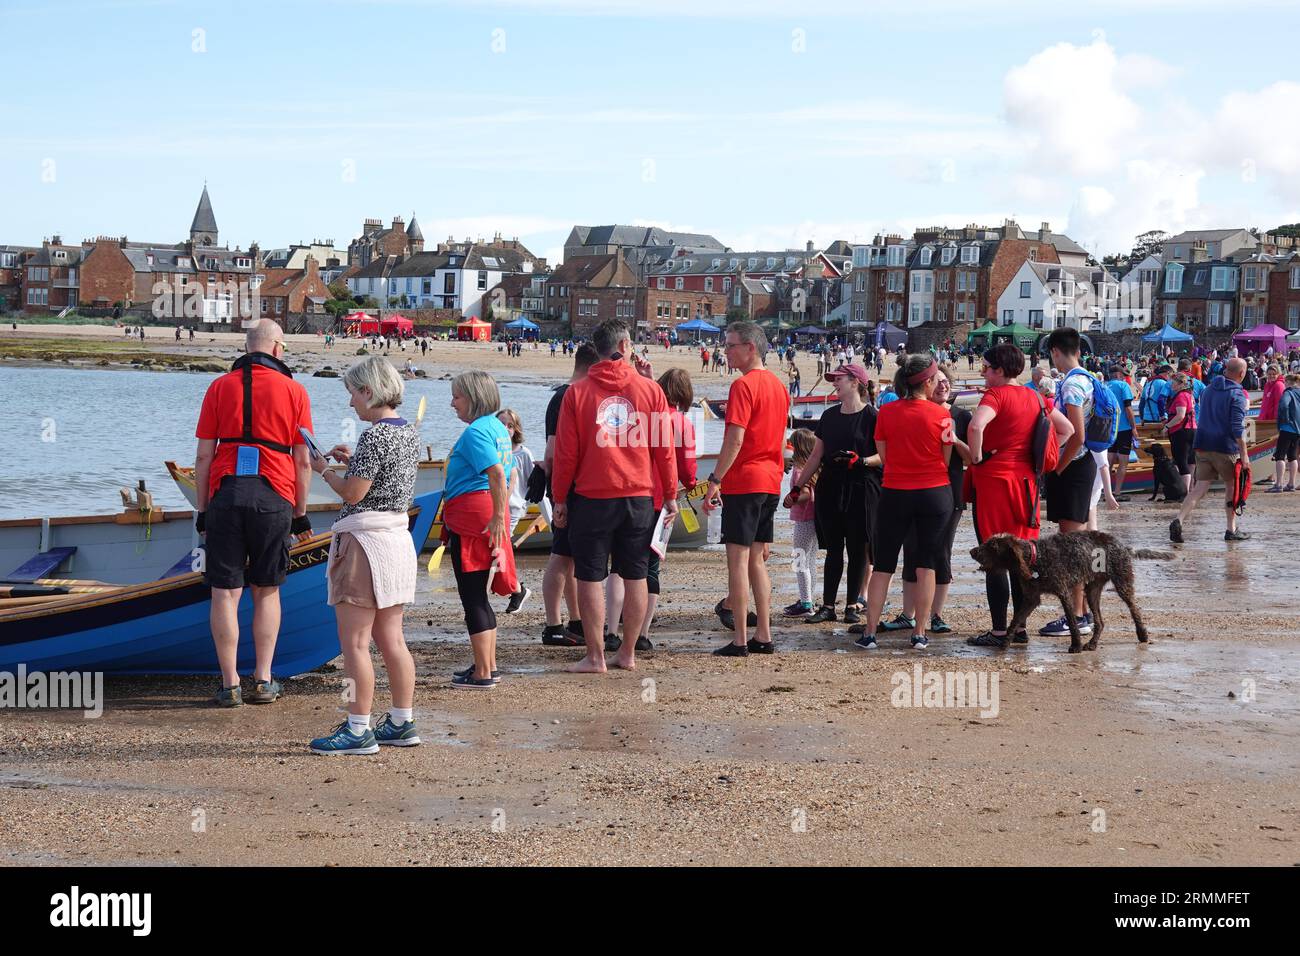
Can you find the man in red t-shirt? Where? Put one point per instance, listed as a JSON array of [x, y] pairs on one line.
[[747, 485], [251, 474]]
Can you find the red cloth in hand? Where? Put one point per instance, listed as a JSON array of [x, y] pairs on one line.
[[466, 516]]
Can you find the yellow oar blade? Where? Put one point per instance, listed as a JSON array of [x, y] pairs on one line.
[[435, 562], [421, 408]]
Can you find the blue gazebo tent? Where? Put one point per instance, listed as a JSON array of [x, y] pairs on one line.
[[698, 326], [1167, 335], [523, 324]]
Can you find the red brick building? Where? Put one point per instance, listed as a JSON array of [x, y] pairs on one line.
[[376, 242], [13, 260], [50, 277], [587, 290], [287, 292], [1284, 293]]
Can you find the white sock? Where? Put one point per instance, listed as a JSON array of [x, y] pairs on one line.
[[358, 723], [399, 715]]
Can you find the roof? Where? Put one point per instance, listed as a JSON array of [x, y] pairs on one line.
[[204, 259], [702, 263], [1209, 235], [585, 270], [622, 235], [413, 230], [204, 220], [1065, 244], [1197, 277]]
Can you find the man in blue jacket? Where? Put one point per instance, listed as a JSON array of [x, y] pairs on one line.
[[1220, 444]]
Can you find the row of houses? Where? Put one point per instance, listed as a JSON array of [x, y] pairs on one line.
[[939, 278]]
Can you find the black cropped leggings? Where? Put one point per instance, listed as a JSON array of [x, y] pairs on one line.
[[473, 589], [839, 531], [999, 587]]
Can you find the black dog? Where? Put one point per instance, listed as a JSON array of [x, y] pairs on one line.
[[1165, 476], [1055, 565]]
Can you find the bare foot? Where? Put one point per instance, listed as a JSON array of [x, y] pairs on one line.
[[587, 666], [623, 662]]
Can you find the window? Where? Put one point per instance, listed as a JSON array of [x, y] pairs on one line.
[[279, 306], [726, 284], [1174, 278], [1293, 317], [1171, 311], [771, 262], [926, 313], [1251, 279], [683, 310], [8, 260], [894, 255], [860, 282], [482, 280], [38, 296], [916, 317], [943, 282], [949, 253], [708, 283], [970, 255], [679, 283], [916, 282], [1024, 290], [1248, 316], [659, 283], [961, 311], [1067, 288], [183, 262], [1035, 318], [1008, 316], [392, 287], [265, 305], [1033, 254], [410, 285], [929, 282], [1295, 277], [895, 282], [753, 262], [243, 263], [926, 254], [60, 255], [1220, 314], [449, 283], [790, 261], [1199, 279], [961, 280], [1218, 279], [860, 256], [734, 263]]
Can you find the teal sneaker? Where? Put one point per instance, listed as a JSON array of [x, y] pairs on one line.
[[900, 623], [229, 697], [389, 734], [265, 692], [343, 741]]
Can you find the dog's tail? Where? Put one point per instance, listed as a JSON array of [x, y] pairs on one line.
[[1149, 554]]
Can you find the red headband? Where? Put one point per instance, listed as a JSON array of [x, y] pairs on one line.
[[931, 371]]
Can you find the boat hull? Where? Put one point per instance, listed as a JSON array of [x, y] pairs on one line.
[[162, 627]]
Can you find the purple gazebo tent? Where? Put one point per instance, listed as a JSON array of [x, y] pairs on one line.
[[1257, 340]]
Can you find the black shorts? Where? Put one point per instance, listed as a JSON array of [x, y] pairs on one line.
[[1069, 495], [560, 542], [603, 527], [924, 512], [1288, 446], [1123, 443], [652, 572], [1182, 450], [748, 519], [247, 539], [942, 560]]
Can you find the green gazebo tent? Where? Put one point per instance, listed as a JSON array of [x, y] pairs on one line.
[[985, 332], [1021, 335]]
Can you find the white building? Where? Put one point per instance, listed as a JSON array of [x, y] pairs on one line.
[[1047, 296]]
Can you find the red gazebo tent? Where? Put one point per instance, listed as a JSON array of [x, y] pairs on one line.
[[364, 323], [473, 330], [396, 325]]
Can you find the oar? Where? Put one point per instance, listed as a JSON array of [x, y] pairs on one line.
[[539, 524], [420, 410], [709, 414], [8, 603], [435, 562]]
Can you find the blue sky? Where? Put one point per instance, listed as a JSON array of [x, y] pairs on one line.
[[764, 123]]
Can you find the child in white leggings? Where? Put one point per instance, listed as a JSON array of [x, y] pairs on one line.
[[804, 540]]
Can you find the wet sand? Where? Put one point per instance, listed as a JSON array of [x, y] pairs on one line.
[[795, 758]]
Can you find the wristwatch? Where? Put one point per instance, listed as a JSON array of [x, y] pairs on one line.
[[714, 479]]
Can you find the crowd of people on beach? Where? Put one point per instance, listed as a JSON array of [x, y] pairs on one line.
[[881, 474]]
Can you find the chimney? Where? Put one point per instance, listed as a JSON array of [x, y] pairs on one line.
[[1199, 252], [1045, 232], [810, 246], [398, 224]]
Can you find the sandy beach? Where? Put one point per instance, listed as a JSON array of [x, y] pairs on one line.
[[1183, 751]]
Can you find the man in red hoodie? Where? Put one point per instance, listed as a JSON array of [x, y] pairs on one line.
[[747, 485], [614, 434]]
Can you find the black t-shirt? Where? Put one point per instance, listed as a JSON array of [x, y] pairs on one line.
[[553, 410], [960, 422], [843, 433]]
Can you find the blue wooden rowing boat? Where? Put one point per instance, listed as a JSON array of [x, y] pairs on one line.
[[161, 627]]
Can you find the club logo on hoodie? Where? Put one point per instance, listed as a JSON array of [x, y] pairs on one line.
[[614, 415]]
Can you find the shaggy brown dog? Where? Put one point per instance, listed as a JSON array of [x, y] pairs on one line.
[[1055, 565]]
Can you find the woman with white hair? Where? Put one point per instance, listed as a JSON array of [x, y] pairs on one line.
[[372, 560], [474, 512]]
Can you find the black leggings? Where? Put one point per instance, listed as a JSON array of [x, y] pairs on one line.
[[999, 586], [473, 589], [924, 512], [942, 560], [1181, 450], [839, 530]]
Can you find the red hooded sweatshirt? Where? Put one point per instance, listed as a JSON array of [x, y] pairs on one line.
[[614, 436]]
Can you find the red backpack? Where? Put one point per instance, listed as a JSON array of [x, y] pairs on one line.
[[1045, 450]]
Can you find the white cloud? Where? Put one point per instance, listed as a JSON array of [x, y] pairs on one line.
[[1258, 132], [1069, 100], [1151, 195]]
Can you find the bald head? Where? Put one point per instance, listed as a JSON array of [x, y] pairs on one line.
[[1235, 369], [263, 336]]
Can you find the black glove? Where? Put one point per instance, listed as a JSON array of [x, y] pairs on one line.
[[200, 524], [301, 525], [848, 460], [536, 486]]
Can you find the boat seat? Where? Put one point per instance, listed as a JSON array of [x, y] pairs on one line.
[[42, 565]]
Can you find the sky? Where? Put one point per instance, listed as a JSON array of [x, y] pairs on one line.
[[765, 124]]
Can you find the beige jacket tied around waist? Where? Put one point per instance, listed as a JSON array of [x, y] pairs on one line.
[[386, 541]]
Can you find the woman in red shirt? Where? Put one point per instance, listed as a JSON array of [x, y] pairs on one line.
[[1002, 486], [914, 438], [1180, 426]]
